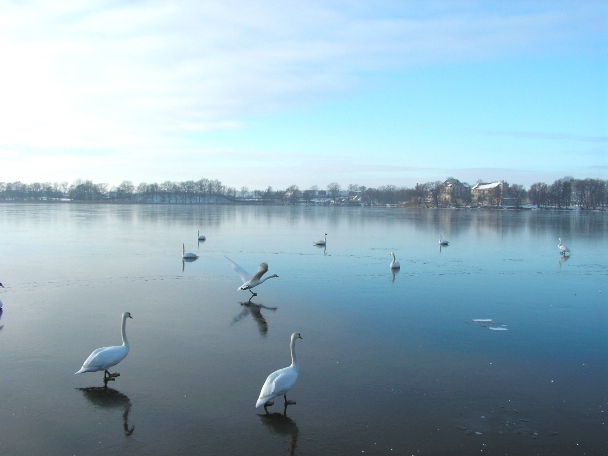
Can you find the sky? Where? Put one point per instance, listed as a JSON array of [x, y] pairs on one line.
[[303, 92]]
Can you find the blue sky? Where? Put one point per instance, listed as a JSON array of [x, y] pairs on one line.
[[303, 92]]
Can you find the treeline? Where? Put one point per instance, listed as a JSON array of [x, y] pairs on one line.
[[563, 193]]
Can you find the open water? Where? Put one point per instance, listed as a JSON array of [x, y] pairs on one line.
[[493, 345]]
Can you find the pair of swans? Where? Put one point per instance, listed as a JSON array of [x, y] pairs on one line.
[[106, 357], [190, 255], [279, 382]]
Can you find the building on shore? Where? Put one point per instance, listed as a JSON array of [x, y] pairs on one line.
[[492, 194], [455, 193]]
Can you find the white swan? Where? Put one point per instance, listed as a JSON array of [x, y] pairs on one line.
[[201, 237], [563, 249], [249, 281], [188, 255], [280, 382], [394, 264], [322, 241], [443, 241], [0, 299], [106, 357]]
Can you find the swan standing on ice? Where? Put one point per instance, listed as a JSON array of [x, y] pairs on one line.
[[201, 237], [563, 249], [249, 281], [442, 241], [106, 357], [280, 382], [188, 255], [394, 264], [322, 241]]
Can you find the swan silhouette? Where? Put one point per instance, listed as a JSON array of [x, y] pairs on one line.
[[280, 382], [201, 237], [188, 255], [109, 398], [255, 310], [394, 264], [443, 241], [106, 357], [563, 249], [321, 242], [280, 424], [250, 281]]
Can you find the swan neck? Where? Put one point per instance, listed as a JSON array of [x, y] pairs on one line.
[[125, 341], [292, 347]]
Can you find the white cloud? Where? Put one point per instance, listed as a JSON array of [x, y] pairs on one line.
[[122, 76]]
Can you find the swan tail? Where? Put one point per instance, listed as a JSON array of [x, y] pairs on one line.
[[262, 400]]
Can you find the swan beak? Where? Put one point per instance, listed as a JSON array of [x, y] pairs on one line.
[[130, 316], [300, 336]]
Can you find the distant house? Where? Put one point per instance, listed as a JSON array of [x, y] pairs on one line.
[[455, 192], [492, 193], [293, 196]]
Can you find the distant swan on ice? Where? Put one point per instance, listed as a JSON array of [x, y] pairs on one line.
[[322, 241], [394, 264], [250, 281], [201, 237], [563, 249], [280, 382], [188, 255], [106, 357], [443, 241]]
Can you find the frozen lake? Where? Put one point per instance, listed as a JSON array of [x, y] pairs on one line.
[[493, 345]]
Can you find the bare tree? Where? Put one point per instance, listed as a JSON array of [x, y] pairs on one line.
[[334, 190]]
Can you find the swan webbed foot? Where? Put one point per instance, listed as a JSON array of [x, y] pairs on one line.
[[108, 377]]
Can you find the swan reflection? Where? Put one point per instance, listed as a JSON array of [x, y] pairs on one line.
[[280, 424], [562, 259], [1, 326], [255, 310], [394, 272], [187, 260], [109, 398]]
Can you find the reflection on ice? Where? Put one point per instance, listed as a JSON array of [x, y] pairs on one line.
[[255, 310], [281, 424], [562, 259], [109, 398], [393, 273], [187, 260]]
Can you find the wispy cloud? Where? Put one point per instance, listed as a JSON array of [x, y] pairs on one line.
[[80, 70]]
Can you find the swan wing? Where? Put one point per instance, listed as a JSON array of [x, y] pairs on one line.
[[245, 276], [277, 383], [261, 271], [104, 358]]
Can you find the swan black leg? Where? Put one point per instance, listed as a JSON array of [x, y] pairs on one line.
[[286, 403], [267, 404], [108, 377]]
